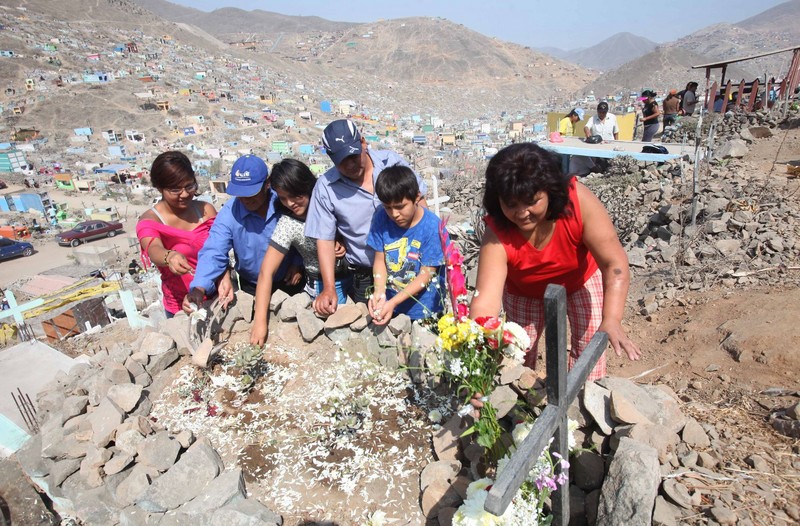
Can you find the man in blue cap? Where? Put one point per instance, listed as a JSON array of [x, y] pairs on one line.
[[244, 224], [344, 201]]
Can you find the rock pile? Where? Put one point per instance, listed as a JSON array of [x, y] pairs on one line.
[[106, 462], [727, 126]]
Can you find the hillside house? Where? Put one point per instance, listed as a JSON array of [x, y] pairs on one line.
[[26, 200], [64, 181], [111, 136], [13, 161], [96, 77]]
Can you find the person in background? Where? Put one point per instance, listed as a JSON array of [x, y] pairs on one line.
[[689, 99], [293, 183], [603, 124], [542, 228], [343, 202], [408, 250], [671, 105], [172, 232], [566, 126], [650, 114], [133, 267], [245, 224]]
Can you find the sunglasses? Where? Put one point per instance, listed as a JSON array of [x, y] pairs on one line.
[[189, 189]]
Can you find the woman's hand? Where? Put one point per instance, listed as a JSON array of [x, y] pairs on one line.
[[619, 340], [178, 264], [293, 275]]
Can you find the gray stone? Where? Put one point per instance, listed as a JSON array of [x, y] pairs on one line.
[[73, 406], [733, 148], [159, 451], [310, 326], [388, 358], [760, 132], [400, 324], [694, 435], [155, 343], [669, 411], [116, 373], [128, 440], [728, 247], [117, 463], [135, 516], [52, 437], [62, 469], [339, 336], [438, 494], [587, 470], [422, 338], [415, 367], [92, 507], [445, 439], [503, 398], [384, 335], [624, 411], [125, 396], [30, 458], [104, 421], [198, 466], [654, 435], [678, 493], [246, 513], [446, 470], [226, 488], [133, 487], [278, 297], [344, 316], [746, 136], [664, 513], [98, 387], [630, 488], [90, 466], [707, 460], [724, 515], [636, 257], [597, 401], [758, 463], [185, 438], [159, 362], [291, 306], [510, 371]]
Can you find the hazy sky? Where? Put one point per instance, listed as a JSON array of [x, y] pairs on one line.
[[565, 24]]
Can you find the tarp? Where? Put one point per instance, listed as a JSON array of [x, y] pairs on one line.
[[111, 168]]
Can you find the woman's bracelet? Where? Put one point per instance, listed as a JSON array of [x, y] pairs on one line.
[[166, 255]]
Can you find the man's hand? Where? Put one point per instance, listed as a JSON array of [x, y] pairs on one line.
[[293, 275], [195, 296], [259, 333], [339, 250], [225, 291], [325, 304]]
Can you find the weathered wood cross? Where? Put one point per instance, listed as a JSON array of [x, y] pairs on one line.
[[562, 389]]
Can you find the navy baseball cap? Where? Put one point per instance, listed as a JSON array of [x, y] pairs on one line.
[[247, 176], [341, 139]]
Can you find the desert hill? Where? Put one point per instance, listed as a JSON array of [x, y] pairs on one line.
[[611, 52]]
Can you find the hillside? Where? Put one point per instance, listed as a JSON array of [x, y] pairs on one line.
[[782, 18], [663, 69], [611, 52]]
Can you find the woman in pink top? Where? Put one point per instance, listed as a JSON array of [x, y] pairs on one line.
[[542, 228], [172, 232]]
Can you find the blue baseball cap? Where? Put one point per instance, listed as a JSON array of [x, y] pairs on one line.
[[341, 139], [247, 176]]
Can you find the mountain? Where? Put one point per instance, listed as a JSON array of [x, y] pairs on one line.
[[783, 18], [231, 21], [663, 69], [611, 52]]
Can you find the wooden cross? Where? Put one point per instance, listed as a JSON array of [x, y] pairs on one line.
[[562, 389]]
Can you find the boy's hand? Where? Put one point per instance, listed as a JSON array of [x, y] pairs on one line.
[[383, 314], [325, 304], [258, 333]]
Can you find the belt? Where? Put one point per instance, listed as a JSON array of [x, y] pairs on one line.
[[313, 276], [359, 270]]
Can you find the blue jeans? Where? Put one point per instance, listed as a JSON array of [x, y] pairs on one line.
[[342, 285]]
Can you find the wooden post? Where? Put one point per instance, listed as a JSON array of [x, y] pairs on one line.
[[562, 389], [555, 319]]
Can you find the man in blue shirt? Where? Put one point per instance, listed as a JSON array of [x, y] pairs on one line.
[[344, 200], [244, 224]]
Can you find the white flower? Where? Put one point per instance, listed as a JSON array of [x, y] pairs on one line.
[[435, 416], [520, 432], [377, 519], [572, 426], [457, 367], [478, 485], [471, 512]]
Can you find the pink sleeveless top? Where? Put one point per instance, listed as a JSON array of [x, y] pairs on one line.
[[187, 242], [565, 260]]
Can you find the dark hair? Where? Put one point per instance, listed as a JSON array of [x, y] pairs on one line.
[[691, 85], [517, 172], [396, 183], [573, 112], [293, 176], [169, 169]]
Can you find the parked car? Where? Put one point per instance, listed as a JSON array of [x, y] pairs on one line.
[[87, 231], [10, 248]]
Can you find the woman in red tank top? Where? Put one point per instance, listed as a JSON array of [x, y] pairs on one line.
[[173, 231], [542, 228]]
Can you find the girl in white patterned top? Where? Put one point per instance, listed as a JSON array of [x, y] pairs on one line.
[[293, 182]]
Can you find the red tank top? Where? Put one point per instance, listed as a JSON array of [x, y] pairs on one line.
[[565, 260]]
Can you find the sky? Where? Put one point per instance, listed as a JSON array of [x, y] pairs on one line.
[[565, 24]]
